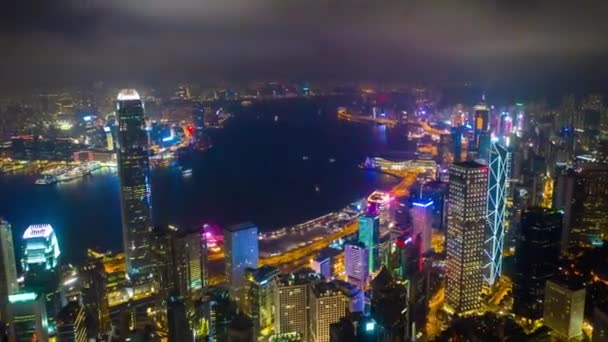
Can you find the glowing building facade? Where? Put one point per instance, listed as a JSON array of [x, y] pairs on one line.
[[8, 269], [422, 219], [27, 317], [240, 252], [356, 263], [379, 203], [327, 306], [41, 248], [500, 170], [369, 235], [465, 236], [134, 175]]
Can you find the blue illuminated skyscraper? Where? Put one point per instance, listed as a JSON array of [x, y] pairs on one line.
[[369, 235], [422, 219], [240, 252], [500, 170], [134, 174]]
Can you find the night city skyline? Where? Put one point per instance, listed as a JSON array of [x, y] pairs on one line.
[[303, 171]]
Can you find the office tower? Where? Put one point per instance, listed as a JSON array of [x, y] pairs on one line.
[[600, 324], [291, 304], [134, 175], [482, 123], [389, 307], [41, 248], [259, 297], [356, 263], [94, 295], [217, 311], [369, 234], [354, 296], [465, 236], [327, 306], [191, 262], [241, 329], [379, 203], [71, 323], [456, 133], [564, 308], [500, 170], [422, 219], [536, 260], [401, 212], [27, 317], [164, 253], [416, 277], [177, 320], [8, 271], [240, 252], [590, 205], [322, 265], [563, 197]]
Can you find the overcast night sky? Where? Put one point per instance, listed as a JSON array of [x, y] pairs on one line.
[[61, 41]]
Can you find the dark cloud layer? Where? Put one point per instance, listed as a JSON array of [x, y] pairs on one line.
[[49, 42]]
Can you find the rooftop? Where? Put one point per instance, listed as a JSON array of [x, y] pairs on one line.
[[128, 95], [240, 226], [470, 164], [38, 231]]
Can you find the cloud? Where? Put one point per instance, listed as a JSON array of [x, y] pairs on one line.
[[313, 38]]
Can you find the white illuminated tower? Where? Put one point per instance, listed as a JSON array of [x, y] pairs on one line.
[[467, 220], [500, 170], [134, 175]]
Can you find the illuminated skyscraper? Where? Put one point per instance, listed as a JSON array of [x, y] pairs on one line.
[[240, 252], [465, 235], [422, 218], [41, 248], [379, 203], [291, 304], [369, 234], [590, 204], [322, 265], [500, 170], [134, 175], [259, 294], [564, 309], [8, 271], [482, 123], [27, 317], [327, 306], [356, 263], [191, 263], [71, 323]]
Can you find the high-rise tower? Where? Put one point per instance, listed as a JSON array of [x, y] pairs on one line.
[[134, 174], [465, 235], [8, 271], [500, 169]]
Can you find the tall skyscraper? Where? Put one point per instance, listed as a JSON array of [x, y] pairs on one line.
[[564, 309], [134, 175], [422, 219], [379, 203], [369, 234], [8, 271], [259, 294], [291, 304], [327, 306], [191, 263], [240, 252], [590, 205], [563, 198], [71, 323], [500, 170], [27, 317], [94, 295], [356, 263], [536, 260], [177, 320], [482, 124], [465, 236]]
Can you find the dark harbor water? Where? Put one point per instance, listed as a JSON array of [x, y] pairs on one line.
[[259, 169]]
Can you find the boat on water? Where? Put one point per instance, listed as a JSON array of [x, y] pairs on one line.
[[187, 172], [46, 180], [74, 173], [93, 166]]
